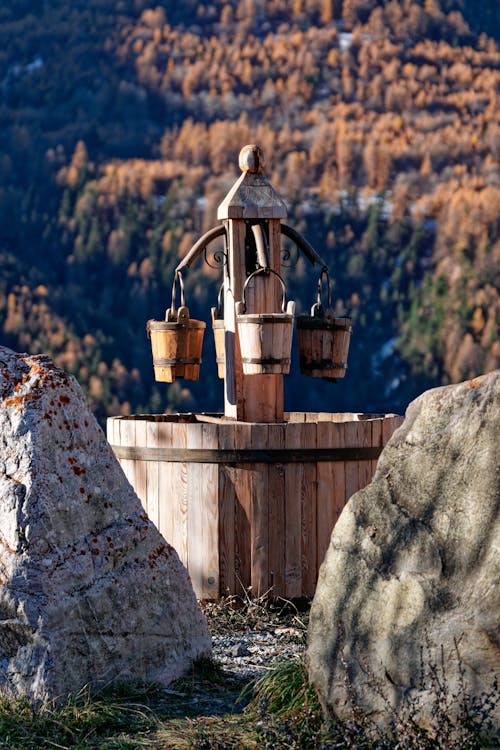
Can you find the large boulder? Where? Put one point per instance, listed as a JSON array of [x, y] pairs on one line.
[[90, 593], [408, 595]]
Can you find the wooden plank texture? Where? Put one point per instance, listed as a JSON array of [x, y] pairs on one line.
[[254, 526], [259, 529], [308, 492], [126, 432], [376, 438], [243, 512], [166, 497], [228, 477], [364, 440], [210, 517], [194, 495], [338, 440], [325, 500], [152, 475], [179, 496], [351, 467], [293, 515], [276, 514]]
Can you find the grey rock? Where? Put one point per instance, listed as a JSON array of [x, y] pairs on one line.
[[411, 576], [90, 593], [239, 649]]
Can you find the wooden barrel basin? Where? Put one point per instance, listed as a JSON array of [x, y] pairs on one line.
[[249, 506]]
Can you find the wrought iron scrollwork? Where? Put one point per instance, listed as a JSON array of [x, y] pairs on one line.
[[216, 258]]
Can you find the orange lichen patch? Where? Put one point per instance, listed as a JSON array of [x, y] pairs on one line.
[[20, 400], [82, 490], [6, 545], [78, 471], [475, 383], [64, 399]]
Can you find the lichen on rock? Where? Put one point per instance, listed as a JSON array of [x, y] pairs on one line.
[[90, 593]]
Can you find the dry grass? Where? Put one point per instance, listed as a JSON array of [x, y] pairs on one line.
[[210, 709]]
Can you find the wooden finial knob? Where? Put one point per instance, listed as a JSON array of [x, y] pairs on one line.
[[252, 159]]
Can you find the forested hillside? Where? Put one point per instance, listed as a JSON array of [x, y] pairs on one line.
[[121, 125]]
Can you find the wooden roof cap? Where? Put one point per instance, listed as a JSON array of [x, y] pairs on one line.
[[252, 196]]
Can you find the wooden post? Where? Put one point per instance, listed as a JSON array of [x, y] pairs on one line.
[[252, 200]]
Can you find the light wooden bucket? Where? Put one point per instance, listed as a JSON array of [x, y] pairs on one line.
[[219, 332], [176, 342], [265, 338]]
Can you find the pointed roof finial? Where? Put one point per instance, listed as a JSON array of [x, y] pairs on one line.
[[251, 159], [252, 196]]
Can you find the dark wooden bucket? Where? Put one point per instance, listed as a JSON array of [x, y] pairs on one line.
[[323, 345], [323, 339]]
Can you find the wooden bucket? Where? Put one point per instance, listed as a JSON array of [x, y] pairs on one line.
[[265, 338], [176, 342], [219, 332], [323, 340]]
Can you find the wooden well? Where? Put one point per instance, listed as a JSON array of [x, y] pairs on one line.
[[249, 498], [249, 506]]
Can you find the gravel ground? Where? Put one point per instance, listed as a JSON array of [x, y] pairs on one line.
[[248, 638], [249, 654]]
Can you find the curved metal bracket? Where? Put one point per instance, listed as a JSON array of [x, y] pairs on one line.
[[201, 245], [303, 245]]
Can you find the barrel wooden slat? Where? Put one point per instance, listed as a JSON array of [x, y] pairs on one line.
[[127, 438], [210, 517], [195, 502], [389, 425], [364, 440], [351, 467], [152, 475], [179, 496], [165, 486], [308, 505], [338, 440], [141, 481], [243, 512], [293, 514], [276, 512], [228, 477], [376, 439], [259, 526], [326, 496]]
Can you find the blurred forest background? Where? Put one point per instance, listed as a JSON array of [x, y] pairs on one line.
[[121, 123]]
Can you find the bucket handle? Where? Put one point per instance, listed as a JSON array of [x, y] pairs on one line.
[[220, 313], [265, 271], [317, 310], [172, 312]]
